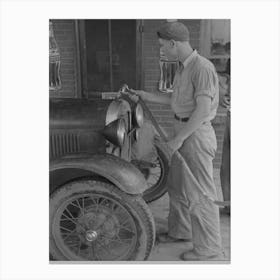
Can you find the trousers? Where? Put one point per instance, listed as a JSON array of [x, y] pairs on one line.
[[191, 214]]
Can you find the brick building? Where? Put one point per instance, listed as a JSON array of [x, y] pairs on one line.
[[74, 38]]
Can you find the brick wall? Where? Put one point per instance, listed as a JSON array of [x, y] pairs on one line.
[[64, 32], [151, 70]]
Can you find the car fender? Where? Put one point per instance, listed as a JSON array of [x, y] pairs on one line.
[[119, 172]]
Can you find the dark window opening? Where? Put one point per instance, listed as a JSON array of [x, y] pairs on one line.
[[111, 54]]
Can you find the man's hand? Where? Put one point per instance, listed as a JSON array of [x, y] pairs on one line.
[[136, 95], [175, 144]]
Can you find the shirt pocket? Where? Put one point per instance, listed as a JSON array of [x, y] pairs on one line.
[[185, 94]]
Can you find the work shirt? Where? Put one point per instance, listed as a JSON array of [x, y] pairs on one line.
[[196, 76]]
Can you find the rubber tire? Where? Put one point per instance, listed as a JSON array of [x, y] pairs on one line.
[[135, 205], [158, 191]]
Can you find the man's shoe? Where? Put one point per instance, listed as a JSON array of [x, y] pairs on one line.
[[165, 238], [193, 256]]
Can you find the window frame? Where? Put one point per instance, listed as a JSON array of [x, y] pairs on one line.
[[85, 92]]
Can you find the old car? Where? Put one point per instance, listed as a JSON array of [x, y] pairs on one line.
[[97, 190]]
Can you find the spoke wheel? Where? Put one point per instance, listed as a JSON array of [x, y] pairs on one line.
[[94, 221], [155, 173], [157, 176]]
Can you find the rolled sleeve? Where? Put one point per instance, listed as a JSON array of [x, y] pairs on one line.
[[205, 80]]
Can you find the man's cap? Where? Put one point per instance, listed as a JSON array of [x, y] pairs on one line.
[[176, 31]]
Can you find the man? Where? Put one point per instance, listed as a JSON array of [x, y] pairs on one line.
[[225, 166], [194, 102]]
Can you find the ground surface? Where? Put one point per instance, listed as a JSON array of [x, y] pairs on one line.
[[171, 251]]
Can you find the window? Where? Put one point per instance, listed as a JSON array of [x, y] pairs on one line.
[[215, 38], [167, 74], [215, 42], [111, 55]]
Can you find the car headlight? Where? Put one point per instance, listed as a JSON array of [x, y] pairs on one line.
[[138, 116], [116, 110], [115, 132]]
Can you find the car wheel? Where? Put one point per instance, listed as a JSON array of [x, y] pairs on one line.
[[157, 176], [95, 221]]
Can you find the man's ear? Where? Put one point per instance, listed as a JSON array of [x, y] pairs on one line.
[[172, 43]]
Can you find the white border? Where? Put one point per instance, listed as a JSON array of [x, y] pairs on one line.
[[24, 138]]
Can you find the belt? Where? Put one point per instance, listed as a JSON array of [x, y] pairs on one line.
[[185, 119], [181, 119]]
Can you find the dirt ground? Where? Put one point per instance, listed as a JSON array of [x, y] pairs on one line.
[[170, 252]]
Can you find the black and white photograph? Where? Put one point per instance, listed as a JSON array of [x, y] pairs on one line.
[[124, 155], [139, 140]]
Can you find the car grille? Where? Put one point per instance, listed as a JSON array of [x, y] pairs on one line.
[[61, 144]]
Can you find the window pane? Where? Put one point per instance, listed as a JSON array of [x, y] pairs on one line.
[[167, 74], [98, 62], [124, 53], [123, 42]]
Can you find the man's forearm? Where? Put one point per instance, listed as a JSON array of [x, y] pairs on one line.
[[157, 98]]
